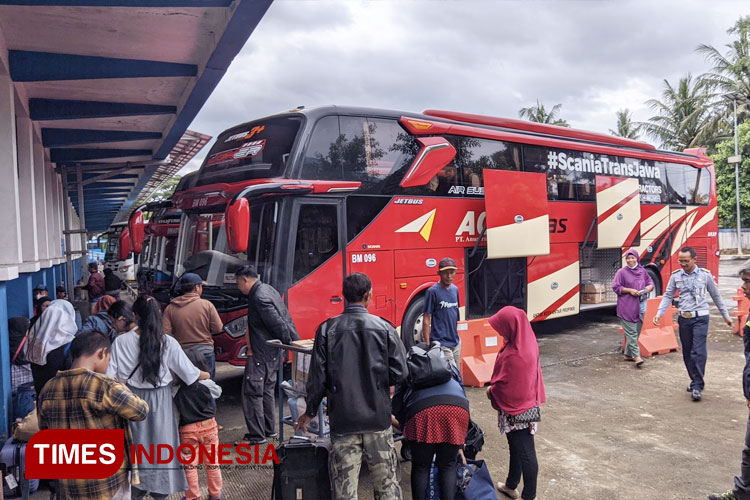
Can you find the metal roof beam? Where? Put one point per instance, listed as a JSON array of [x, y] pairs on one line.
[[65, 109], [243, 22], [55, 137], [73, 155], [120, 3], [28, 66]]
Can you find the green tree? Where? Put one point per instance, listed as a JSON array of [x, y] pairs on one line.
[[625, 126], [540, 115], [725, 184], [166, 190], [730, 75], [684, 116]]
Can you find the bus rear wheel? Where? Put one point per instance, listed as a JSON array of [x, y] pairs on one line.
[[657, 283], [411, 328]]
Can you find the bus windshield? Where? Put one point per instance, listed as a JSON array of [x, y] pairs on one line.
[[255, 150], [205, 252]]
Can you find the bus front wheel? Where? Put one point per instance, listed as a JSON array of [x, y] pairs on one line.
[[411, 328]]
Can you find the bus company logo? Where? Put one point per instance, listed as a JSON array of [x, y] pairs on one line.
[[600, 164], [408, 201], [246, 134], [250, 149], [421, 225], [99, 454]]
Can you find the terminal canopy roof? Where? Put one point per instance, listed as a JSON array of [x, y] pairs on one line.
[[114, 84]]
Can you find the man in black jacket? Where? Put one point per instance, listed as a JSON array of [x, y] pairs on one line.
[[267, 319], [741, 489], [357, 357]]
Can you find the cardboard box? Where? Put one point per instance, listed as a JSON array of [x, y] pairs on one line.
[[593, 293], [301, 363]]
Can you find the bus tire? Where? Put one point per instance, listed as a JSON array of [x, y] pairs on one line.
[[657, 282], [411, 327]]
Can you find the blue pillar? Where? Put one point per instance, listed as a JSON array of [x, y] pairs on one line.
[[55, 276], [49, 280], [4, 364], [20, 298]]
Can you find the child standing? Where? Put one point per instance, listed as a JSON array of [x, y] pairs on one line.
[[197, 408]]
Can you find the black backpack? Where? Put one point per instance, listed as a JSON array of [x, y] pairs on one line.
[[427, 367]]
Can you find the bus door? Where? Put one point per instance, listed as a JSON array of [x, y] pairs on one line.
[[316, 262], [378, 266], [618, 212]]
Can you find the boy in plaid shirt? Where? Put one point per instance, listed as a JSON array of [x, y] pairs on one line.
[[84, 398]]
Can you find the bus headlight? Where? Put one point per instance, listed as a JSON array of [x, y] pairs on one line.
[[237, 327]]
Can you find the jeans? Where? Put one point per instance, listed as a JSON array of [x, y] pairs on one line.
[[693, 333], [202, 433], [453, 354], [522, 462], [421, 461], [258, 401], [207, 350]]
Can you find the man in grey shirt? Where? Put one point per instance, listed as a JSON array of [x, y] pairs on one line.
[[692, 282]]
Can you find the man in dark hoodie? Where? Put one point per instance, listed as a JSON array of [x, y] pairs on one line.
[[192, 320], [267, 319]]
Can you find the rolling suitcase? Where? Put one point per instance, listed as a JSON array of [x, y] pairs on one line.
[[12, 456], [302, 471]]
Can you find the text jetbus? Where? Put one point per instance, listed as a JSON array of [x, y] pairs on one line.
[[536, 216]]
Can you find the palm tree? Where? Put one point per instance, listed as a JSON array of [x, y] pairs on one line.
[[539, 114], [684, 117], [730, 77], [625, 126]]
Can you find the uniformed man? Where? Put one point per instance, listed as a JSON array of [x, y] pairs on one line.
[[692, 282]]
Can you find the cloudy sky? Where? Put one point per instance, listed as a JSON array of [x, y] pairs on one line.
[[481, 56]]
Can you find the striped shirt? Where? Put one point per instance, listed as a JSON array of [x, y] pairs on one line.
[[82, 399]]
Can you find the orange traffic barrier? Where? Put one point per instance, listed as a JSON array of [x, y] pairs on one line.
[[659, 339], [743, 305], [480, 344]]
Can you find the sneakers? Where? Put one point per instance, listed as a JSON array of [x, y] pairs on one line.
[[273, 435], [507, 491], [246, 439], [695, 395], [727, 495]]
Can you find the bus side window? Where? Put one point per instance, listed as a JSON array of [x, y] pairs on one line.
[[317, 238], [475, 155], [678, 189], [698, 182], [322, 154]]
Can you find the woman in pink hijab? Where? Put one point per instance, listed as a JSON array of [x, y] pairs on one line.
[[517, 387]]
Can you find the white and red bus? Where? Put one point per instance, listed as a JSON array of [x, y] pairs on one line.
[[536, 216], [157, 257]]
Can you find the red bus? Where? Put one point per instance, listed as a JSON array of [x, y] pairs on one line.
[[157, 257], [536, 216]]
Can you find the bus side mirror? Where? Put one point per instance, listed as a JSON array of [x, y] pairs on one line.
[[124, 245], [137, 230], [237, 222], [434, 154]]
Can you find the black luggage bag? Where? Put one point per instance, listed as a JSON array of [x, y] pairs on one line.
[[302, 471]]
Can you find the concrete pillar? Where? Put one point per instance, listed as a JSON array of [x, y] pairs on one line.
[[27, 194], [43, 199], [54, 213], [10, 243]]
